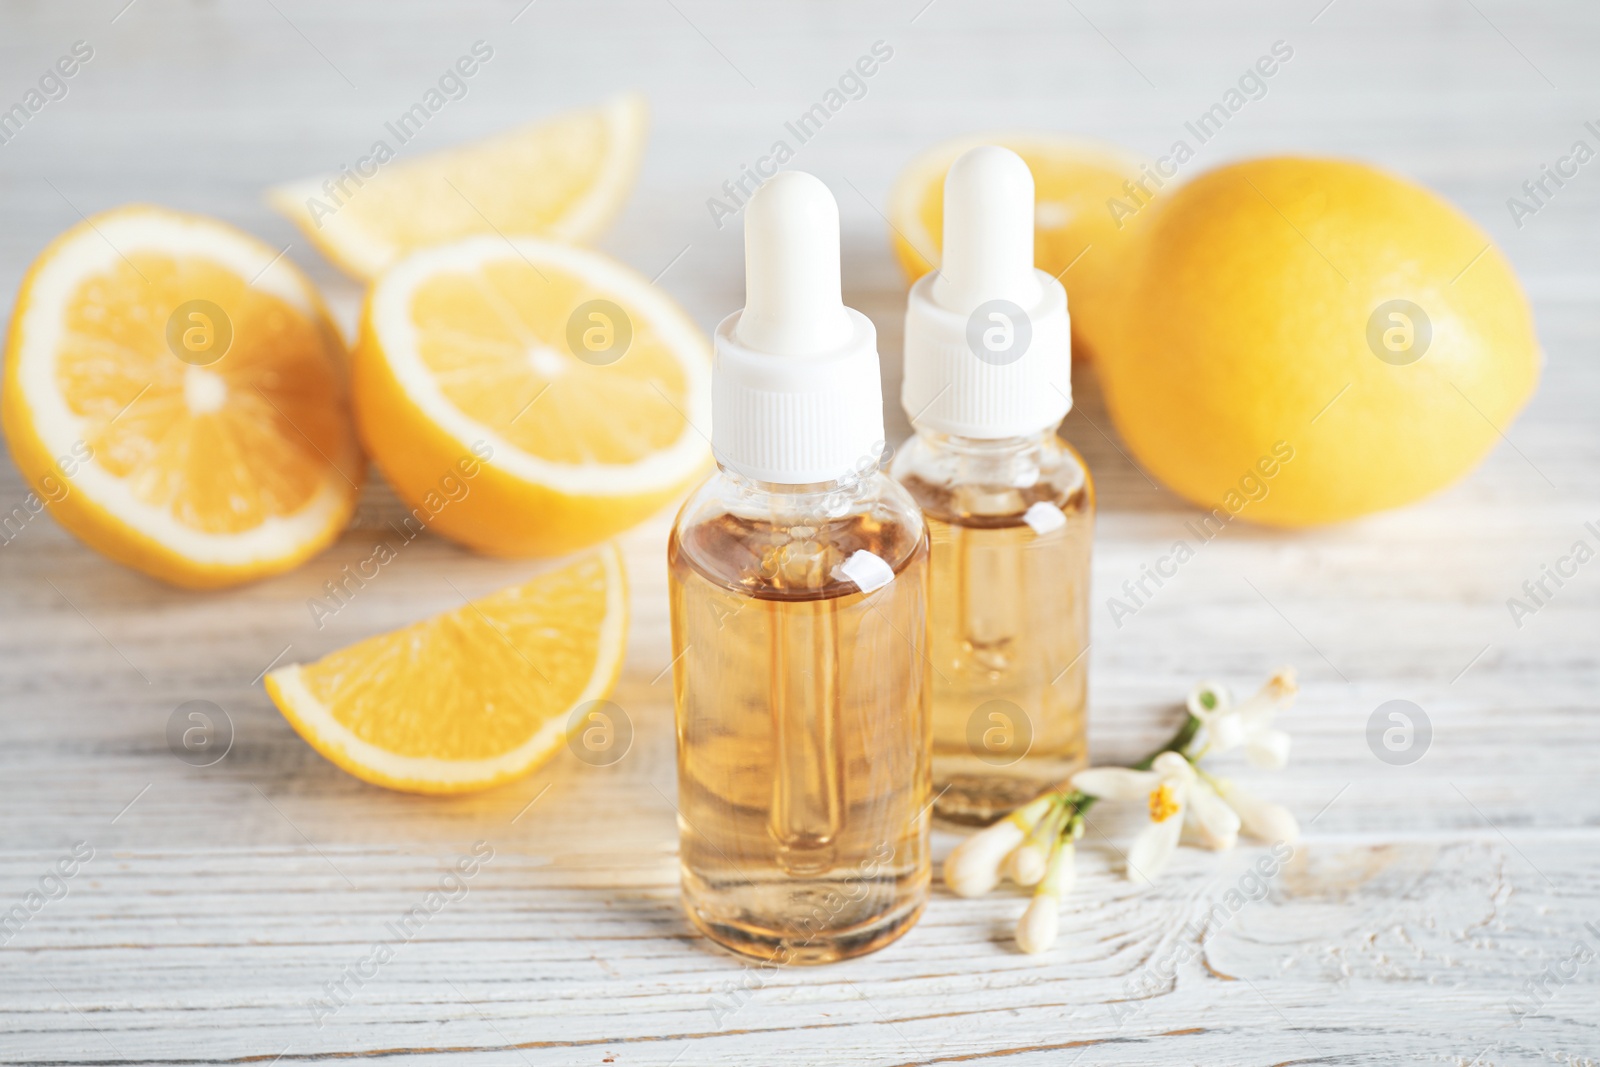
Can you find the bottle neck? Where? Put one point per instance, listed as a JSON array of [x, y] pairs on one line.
[[996, 461], [988, 445], [805, 503]]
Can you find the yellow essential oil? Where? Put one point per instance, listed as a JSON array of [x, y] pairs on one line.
[[802, 708], [1008, 616]]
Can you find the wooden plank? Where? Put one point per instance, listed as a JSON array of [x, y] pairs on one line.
[[221, 901]]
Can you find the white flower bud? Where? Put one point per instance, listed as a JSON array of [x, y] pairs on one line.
[[1268, 749], [1037, 929], [1272, 822], [1261, 819], [1027, 862], [974, 867]]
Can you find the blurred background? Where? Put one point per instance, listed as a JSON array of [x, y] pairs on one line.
[[203, 106]]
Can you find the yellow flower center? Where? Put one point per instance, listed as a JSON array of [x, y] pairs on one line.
[[1163, 805]]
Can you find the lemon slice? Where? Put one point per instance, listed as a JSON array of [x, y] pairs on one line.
[[471, 698], [1076, 235], [582, 388], [174, 391], [565, 177]]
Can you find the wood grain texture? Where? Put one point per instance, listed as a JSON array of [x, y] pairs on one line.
[[220, 902]]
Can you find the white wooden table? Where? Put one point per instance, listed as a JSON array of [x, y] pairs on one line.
[[220, 902]]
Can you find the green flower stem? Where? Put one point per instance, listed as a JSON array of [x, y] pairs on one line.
[[1055, 869], [1180, 741], [1050, 825], [1074, 805]]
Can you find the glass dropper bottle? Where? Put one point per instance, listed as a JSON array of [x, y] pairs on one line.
[[798, 582], [1009, 504]]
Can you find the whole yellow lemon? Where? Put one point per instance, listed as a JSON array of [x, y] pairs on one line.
[[1302, 341]]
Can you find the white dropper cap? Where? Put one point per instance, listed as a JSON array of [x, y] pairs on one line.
[[796, 397], [988, 341]]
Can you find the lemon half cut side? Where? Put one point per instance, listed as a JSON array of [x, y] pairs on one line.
[[175, 391], [584, 389]]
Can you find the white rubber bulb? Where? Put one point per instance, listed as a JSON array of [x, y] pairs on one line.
[[793, 301], [988, 232]]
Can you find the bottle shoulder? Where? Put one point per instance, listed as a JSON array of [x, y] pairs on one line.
[[790, 546], [994, 485]]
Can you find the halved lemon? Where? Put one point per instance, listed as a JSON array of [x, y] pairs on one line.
[[582, 388], [471, 698], [564, 177], [175, 392], [1076, 234]]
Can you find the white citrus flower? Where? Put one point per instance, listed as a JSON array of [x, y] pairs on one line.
[[1172, 793], [1248, 724]]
